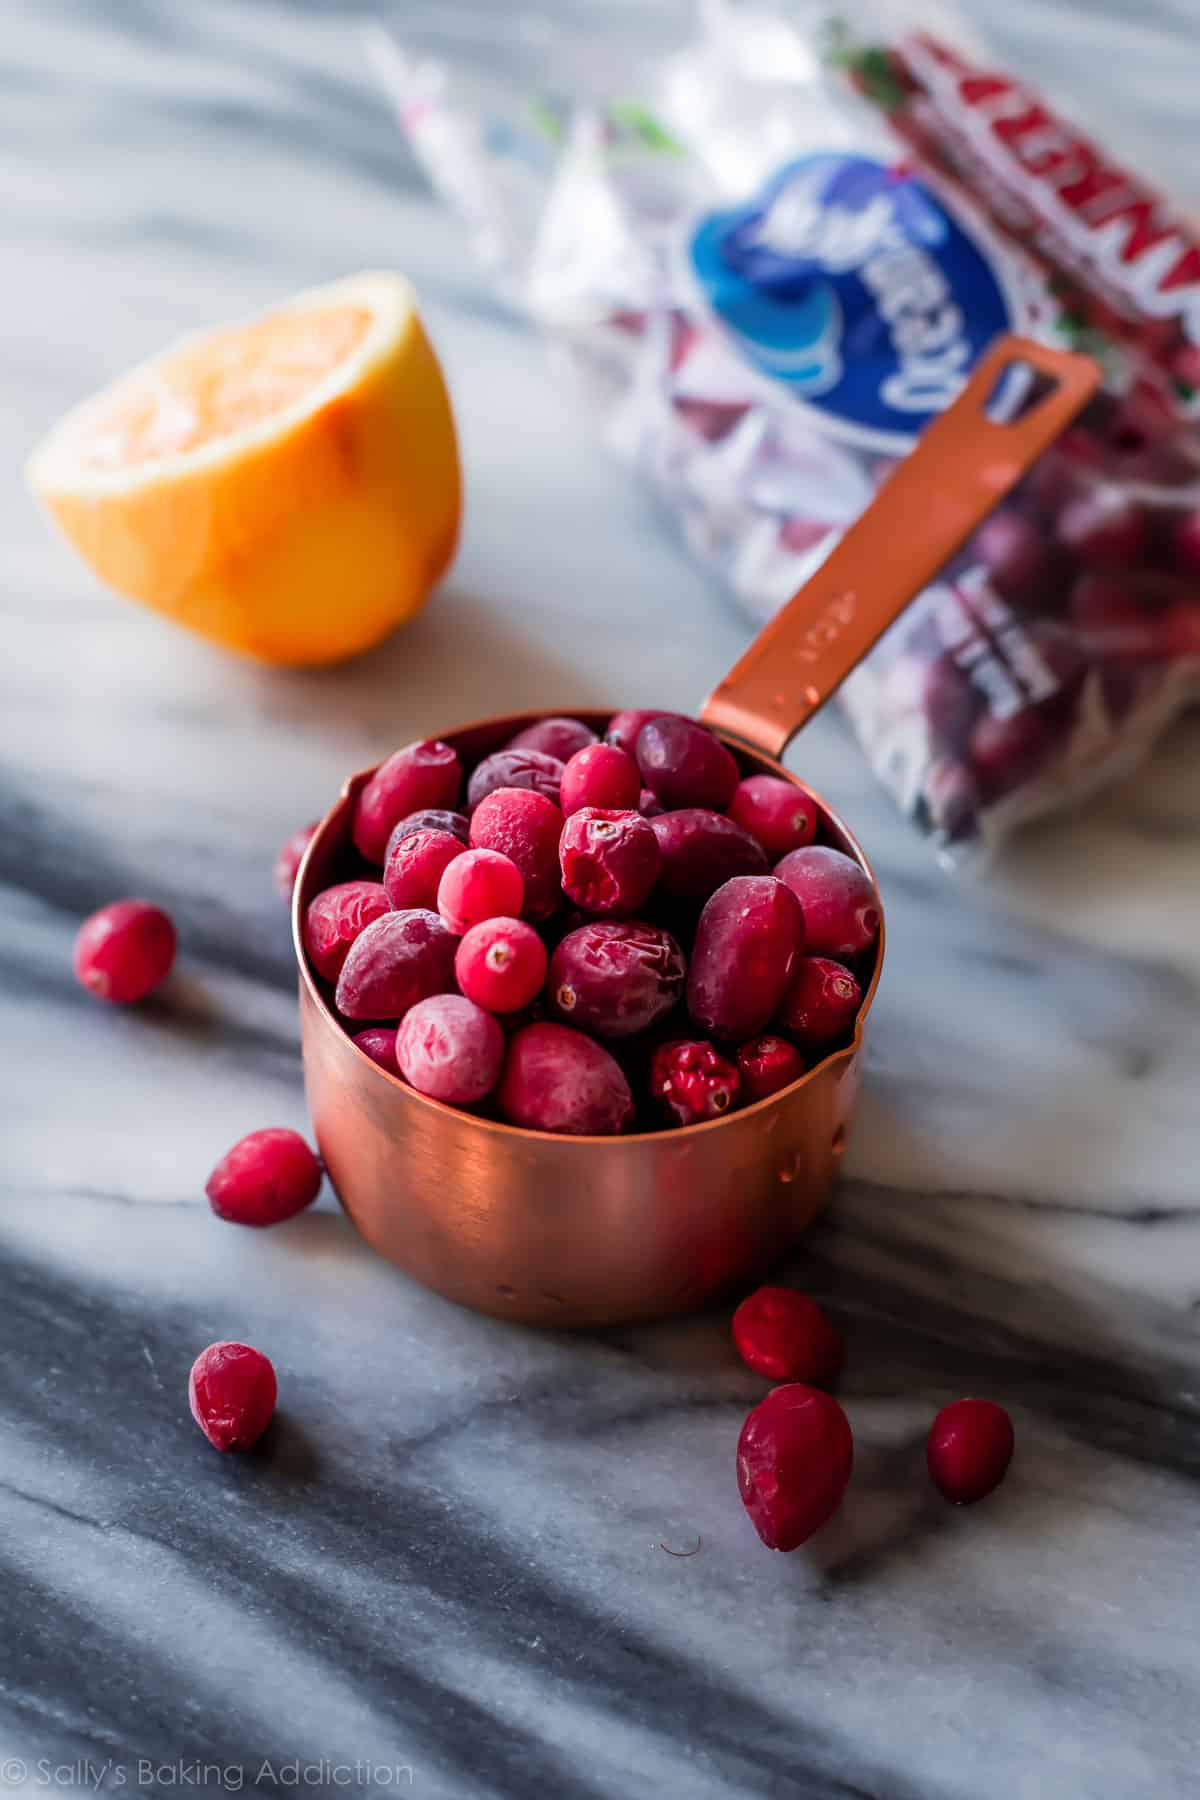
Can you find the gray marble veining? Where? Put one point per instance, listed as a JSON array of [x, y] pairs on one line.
[[450, 1560]]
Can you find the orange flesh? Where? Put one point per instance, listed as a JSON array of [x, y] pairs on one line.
[[222, 387]]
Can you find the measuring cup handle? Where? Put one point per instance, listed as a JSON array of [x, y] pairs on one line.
[[964, 463]]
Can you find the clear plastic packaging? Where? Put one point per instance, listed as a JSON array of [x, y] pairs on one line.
[[773, 265]]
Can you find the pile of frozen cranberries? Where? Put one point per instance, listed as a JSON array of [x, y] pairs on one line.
[[590, 936]]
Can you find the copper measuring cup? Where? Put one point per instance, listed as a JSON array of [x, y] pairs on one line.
[[574, 1231]]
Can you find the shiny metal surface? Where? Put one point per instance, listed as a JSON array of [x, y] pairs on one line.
[[557, 1230]]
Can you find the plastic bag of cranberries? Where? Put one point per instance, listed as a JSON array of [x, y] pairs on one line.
[[773, 265]]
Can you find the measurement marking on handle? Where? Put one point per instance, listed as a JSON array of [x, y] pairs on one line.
[[827, 627]]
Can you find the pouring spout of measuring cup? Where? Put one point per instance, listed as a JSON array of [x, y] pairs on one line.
[[967, 460]]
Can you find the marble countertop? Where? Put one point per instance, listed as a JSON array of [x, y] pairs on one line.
[[451, 1560]]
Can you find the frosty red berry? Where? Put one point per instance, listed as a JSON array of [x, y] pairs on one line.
[[266, 1178], [124, 951], [231, 1393]]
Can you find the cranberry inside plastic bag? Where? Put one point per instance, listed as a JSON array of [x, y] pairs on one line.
[[772, 266]]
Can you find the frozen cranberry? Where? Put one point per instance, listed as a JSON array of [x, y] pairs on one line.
[[821, 1002], [767, 1064], [775, 813], [420, 775], [1016, 555], [1105, 528], [336, 917], [401, 958], [969, 1448], [746, 942], [231, 1393], [785, 1336], [556, 1079], [560, 738], [431, 818], [691, 1081], [124, 951], [685, 765], [702, 850], [951, 702], [609, 860], [623, 728], [415, 866], [379, 1043], [649, 805], [841, 911], [287, 863], [794, 1458], [480, 884], [266, 1178], [501, 964], [1185, 542], [525, 827], [601, 775], [616, 979], [1117, 615], [1005, 753], [450, 1049], [531, 769]]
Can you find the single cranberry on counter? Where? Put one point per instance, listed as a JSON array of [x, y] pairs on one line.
[[560, 738], [415, 866], [821, 1002], [525, 827], [1005, 753], [501, 965], [266, 1178], [556, 1079], [777, 815], [531, 769], [841, 911], [623, 728], [287, 863], [601, 775], [685, 764], [701, 851], [609, 860], [794, 1459], [479, 885], [379, 1043], [767, 1065], [431, 818], [1104, 528], [427, 774], [336, 917], [615, 979], [125, 950], [691, 1081], [232, 1392], [399, 959], [746, 941], [785, 1336], [969, 1449], [450, 1049]]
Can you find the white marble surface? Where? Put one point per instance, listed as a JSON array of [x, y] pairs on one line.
[[451, 1557]]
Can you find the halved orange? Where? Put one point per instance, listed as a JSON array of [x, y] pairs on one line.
[[289, 486]]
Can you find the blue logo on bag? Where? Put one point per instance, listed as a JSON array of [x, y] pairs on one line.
[[853, 283]]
